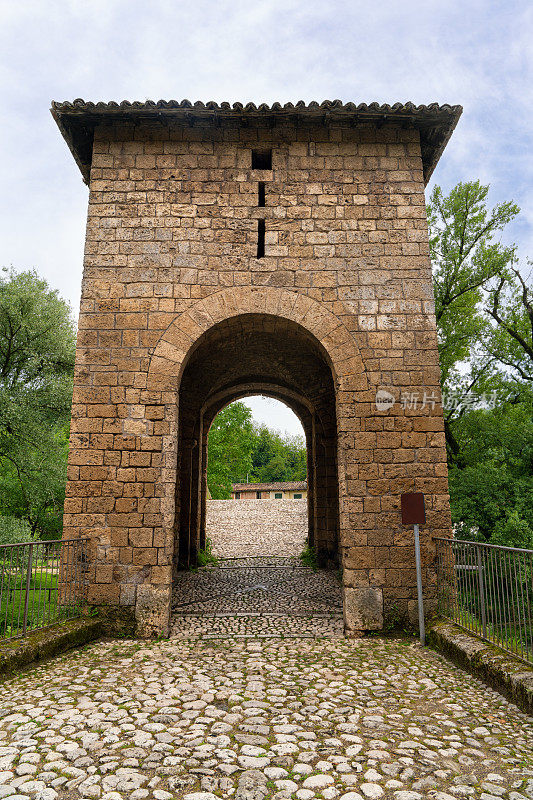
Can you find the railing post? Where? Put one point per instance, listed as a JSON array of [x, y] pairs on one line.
[[421, 625], [481, 580], [27, 596]]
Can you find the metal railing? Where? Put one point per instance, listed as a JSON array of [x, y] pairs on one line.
[[488, 590], [41, 583]]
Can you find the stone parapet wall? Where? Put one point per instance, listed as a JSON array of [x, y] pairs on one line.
[[257, 527]]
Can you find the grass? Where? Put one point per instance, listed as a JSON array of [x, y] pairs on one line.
[[505, 635], [308, 557], [43, 606], [206, 556]]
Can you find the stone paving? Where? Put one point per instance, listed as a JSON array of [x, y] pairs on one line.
[[267, 585], [258, 596], [256, 527], [254, 719], [258, 696]]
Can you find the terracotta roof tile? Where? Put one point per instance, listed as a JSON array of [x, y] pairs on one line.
[[280, 486]]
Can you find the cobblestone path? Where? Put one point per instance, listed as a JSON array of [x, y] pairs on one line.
[[257, 696], [205, 718], [257, 527], [258, 596]]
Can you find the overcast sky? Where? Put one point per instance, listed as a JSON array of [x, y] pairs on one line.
[[477, 53]]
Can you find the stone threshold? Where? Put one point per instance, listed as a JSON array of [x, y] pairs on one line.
[[47, 642], [509, 676], [246, 614], [275, 637], [277, 567]]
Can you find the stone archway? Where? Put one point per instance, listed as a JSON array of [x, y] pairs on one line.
[[303, 411], [316, 326], [183, 334], [316, 412], [135, 535]]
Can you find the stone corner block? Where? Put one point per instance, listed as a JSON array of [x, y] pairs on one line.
[[152, 611], [363, 609]]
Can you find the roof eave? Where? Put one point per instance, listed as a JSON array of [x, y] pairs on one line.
[[86, 116], [84, 168], [428, 172]]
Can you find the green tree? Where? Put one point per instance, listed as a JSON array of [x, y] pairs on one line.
[[296, 458], [510, 340], [467, 262], [264, 451], [492, 494], [484, 311], [278, 457], [230, 444], [37, 349], [239, 450]]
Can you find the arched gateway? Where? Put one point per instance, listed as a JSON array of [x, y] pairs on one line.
[[236, 250]]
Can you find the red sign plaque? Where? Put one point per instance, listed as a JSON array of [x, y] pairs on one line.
[[413, 509]]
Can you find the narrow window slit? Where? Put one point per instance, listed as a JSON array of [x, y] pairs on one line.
[[261, 201], [260, 238], [261, 159]]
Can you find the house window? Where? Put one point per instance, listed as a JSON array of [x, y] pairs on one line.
[[258, 495], [237, 495], [297, 496], [278, 495]]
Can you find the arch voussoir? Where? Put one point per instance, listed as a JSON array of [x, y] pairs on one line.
[[317, 320]]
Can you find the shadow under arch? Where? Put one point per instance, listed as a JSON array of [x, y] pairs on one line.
[[243, 355]]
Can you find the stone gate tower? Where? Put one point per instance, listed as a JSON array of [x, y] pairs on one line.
[[240, 249]]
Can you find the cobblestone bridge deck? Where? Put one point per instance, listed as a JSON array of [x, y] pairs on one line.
[[258, 596], [255, 696]]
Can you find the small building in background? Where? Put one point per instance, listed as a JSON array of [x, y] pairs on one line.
[[281, 490]]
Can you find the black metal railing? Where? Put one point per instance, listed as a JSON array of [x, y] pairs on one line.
[[488, 590], [42, 583]]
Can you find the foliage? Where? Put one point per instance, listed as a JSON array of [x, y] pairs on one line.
[[492, 495], [308, 557], [13, 560], [229, 449], [515, 532], [484, 311], [37, 347], [278, 458], [510, 341], [13, 530], [239, 451], [206, 556], [465, 260]]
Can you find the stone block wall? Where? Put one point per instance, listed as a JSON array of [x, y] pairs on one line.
[[171, 254], [240, 528]]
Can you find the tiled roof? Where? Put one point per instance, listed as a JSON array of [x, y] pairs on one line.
[[77, 120], [280, 486]]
